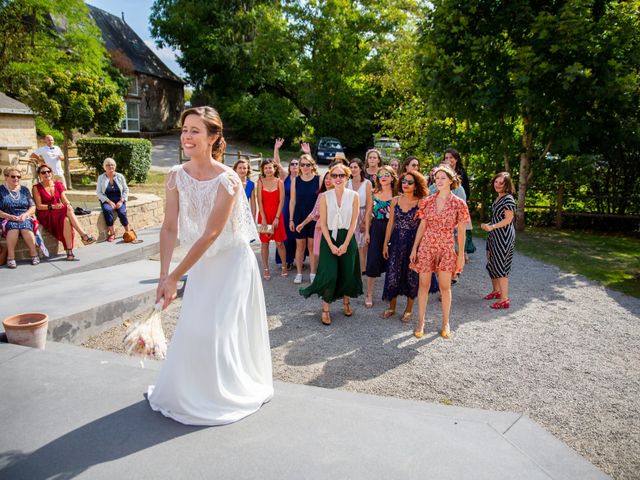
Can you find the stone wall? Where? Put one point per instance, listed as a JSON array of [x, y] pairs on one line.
[[17, 141], [146, 210], [161, 103]]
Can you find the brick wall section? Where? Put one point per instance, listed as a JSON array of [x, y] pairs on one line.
[[145, 211]]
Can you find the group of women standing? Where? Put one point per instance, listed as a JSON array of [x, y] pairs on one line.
[[373, 219]]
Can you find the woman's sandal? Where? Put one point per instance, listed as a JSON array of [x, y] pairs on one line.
[[419, 331], [267, 274], [284, 272], [326, 317], [346, 309], [111, 237], [11, 263], [501, 304], [368, 302], [492, 295], [70, 256], [406, 317], [445, 333], [88, 239], [388, 313], [35, 260]]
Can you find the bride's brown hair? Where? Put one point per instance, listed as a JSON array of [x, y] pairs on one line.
[[213, 122]]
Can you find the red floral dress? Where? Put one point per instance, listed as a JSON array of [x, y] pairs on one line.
[[436, 252]]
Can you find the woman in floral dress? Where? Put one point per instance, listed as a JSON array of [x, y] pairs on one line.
[[433, 249]]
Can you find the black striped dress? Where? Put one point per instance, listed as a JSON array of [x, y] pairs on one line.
[[501, 241]]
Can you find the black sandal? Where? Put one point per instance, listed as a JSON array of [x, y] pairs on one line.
[[70, 256]]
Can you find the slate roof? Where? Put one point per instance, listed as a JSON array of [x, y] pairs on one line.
[[118, 35], [10, 105]]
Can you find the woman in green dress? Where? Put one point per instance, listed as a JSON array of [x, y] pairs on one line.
[[338, 273]]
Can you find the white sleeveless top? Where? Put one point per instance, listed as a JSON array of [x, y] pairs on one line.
[[196, 201], [362, 191], [339, 216]]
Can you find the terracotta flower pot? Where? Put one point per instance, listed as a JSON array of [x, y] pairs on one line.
[[27, 329]]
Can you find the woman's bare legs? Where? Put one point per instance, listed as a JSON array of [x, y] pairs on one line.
[[444, 279]]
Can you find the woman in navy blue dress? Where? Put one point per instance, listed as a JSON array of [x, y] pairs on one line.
[[16, 211], [376, 227], [304, 192], [398, 241], [243, 168]]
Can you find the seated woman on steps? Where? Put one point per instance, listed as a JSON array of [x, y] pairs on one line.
[[55, 213], [113, 192]]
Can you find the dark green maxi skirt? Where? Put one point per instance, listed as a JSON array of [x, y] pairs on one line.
[[336, 276]]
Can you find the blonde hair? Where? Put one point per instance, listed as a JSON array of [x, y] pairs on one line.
[[453, 176], [341, 166], [309, 158], [10, 169]]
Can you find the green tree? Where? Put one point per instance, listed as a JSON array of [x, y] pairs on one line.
[[521, 62], [322, 56], [53, 59], [78, 101]]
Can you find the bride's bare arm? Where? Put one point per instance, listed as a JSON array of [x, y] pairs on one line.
[[169, 231], [215, 224]]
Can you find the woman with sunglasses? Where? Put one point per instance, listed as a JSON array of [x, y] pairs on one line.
[[433, 249], [373, 162], [16, 211], [289, 174], [376, 227], [339, 268], [304, 193], [410, 164], [398, 241], [55, 213]]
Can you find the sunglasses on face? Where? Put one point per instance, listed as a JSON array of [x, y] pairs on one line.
[[294, 164], [338, 175], [45, 172], [15, 176], [406, 181], [384, 175], [305, 164]]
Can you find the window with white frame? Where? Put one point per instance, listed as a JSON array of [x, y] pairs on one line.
[[133, 87], [131, 122]]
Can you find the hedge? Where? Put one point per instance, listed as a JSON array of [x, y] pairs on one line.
[[132, 155]]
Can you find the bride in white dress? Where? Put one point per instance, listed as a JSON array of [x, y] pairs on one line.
[[218, 367]]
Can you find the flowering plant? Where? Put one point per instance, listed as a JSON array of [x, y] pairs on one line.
[[146, 337]]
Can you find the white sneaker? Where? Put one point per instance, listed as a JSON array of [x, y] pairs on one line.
[[312, 277], [298, 278]]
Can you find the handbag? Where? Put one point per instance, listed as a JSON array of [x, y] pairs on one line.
[[265, 229]]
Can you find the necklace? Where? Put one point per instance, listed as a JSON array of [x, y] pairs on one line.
[[17, 194]]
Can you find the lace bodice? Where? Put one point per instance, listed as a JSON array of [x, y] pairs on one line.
[[197, 199]]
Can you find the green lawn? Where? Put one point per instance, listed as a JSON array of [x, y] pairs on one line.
[[611, 260]]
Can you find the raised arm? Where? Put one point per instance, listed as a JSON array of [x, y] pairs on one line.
[[276, 156]]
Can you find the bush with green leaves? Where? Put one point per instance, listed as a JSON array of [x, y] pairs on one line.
[[132, 155]]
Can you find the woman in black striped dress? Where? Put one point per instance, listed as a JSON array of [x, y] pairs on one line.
[[501, 240]]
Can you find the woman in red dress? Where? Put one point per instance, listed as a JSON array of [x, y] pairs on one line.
[[270, 197], [54, 211], [433, 249]]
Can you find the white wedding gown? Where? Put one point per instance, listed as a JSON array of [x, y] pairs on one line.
[[218, 366]]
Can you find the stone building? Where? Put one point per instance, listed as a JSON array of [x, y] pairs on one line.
[[156, 97], [17, 136]]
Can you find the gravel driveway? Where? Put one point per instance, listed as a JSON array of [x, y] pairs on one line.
[[566, 354]]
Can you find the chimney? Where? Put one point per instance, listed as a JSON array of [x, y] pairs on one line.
[[122, 13]]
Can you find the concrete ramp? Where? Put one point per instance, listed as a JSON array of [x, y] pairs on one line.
[[69, 412]]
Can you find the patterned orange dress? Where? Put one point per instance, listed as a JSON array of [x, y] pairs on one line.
[[436, 252]]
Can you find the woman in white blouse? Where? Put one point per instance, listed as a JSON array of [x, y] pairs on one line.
[[338, 274]]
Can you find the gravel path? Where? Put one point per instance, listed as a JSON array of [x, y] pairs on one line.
[[566, 354]]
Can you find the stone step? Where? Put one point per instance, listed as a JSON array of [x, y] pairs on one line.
[[86, 303]]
